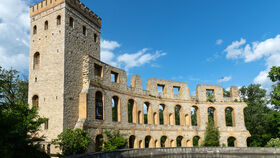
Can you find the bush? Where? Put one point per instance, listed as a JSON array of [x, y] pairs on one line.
[[72, 142], [273, 143], [114, 141]]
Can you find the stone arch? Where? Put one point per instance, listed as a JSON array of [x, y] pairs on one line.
[[132, 141], [171, 119], [99, 140], [116, 117], [229, 116], [147, 113], [58, 20], [178, 114], [155, 118], [231, 141], [157, 143], [36, 60], [99, 106], [163, 141], [195, 116], [172, 143], [34, 30], [141, 144], [46, 26], [161, 111], [196, 141], [131, 111], [179, 140], [148, 141], [212, 114], [35, 101]]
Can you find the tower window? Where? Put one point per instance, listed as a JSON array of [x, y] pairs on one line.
[[34, 30], [35, 101], [36, 60], [84, 30], [47, 125], [71, 22], [97, 70], [58, 20], [95, 37], [46, 25]]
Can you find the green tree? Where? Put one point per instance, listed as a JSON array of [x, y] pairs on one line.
[[72, 142], [273, 143], [274, 76], [19, 123], [259, 118], [114, 140], [212, 135], [226, 93]]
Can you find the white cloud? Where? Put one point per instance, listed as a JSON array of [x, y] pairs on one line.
[[126, 60], [14, 31], [225, 79], [268, 49], [219, 41]]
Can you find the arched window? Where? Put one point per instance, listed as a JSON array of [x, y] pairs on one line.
[[147, 141], [46, 25], [95, 37], [98, 142], [163, 141], [146, 113], [229, 116], [58, 20], [131, 141], [99, 105], [131, 107], [196, 141], [35, 101], [115, 109], [211, 114], [177, 114], [34, 30], [161, 114], [71, 22], [194, 115], [36, 60], [179, 141], [231, 142]]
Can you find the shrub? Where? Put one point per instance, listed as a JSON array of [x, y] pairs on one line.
[[114, 140], [273, 142], [212, 135], [72, 142]]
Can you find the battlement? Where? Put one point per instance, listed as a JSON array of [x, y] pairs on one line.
[[76, 4]]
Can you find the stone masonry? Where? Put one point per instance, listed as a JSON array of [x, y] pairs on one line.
[[74, 89]]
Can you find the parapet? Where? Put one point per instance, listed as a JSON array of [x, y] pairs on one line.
[[76, 4]]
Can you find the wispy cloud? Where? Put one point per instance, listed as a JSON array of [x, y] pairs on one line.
[[225, 79], [128, 60], [268, 49], [219, 41]]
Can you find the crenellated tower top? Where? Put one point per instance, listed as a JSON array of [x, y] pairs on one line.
[[76, 4]]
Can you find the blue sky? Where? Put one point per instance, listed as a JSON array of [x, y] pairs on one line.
[[232, 42]]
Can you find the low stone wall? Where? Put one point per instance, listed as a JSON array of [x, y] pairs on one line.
[[198, 152]]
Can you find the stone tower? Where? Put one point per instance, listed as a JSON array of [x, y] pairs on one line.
[[62, 32]]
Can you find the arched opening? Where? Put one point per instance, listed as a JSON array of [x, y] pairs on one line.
[[147, 113], [179, 141], [178, 115], [140, 144], [229, 116], [58, 20], [131, 141], [196, 141], [35, 101], [98, 142], [99, 105], [231, 141], [161, 114], [163, 141], [211, 115], [34, 30], [46, 25], [36, 60], [71, 22], [194, 115], [95, 37], [115, 109], [130, 110], [147, 141]]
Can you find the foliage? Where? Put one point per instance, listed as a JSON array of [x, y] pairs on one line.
[[72, 142], [177, 115], [273, 143], [274, 76], [226, 93], [114, 140], [260, 120], [210, 96], [19, 123], [196, 141], [212, 135], [194, 117], [130, 112], [161, 120], [229, 117]]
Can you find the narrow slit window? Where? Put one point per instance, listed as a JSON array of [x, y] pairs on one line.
[[97, 70], [34, 30], [71, 22], [84, 30], [47, 125], [95, 37], [114, 77], [46, 25], [176, 90], [58, 20], [160, 88]]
